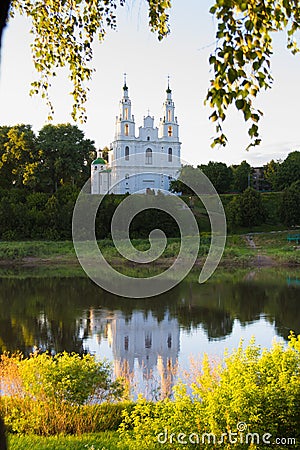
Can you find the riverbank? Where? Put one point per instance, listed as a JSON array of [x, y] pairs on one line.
[[220, 393], [267, 249], [105, 440]]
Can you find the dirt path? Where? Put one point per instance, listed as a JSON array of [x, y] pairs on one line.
[[261, 259]]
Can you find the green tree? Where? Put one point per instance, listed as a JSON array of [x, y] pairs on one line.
[[241, 176], [288, 171], [219, 174], [13, 214], [65, 156], [271, 170], [246, 209], [18, 156], [290, 205]]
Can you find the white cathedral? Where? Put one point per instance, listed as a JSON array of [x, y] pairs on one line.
[[136, 164]]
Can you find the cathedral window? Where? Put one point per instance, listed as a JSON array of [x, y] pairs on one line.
[[169, 340], [126, 342], [170, 155], [126, 114], [169, 115], [148, 340], [127, 153], [170, 131], [127, 176], [148, 138], [148, 156], [126, 129]]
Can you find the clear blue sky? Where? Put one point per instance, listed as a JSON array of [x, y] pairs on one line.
[[136, 51]]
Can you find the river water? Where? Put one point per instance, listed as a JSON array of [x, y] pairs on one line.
[[149, 341]]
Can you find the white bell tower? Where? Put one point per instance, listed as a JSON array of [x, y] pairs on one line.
[[168, 127], [125, 126]]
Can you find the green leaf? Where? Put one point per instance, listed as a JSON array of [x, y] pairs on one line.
[[240, 104], [232, 75]]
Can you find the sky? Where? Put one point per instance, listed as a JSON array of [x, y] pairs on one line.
[[183, 55]]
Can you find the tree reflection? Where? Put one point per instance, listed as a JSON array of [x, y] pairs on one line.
[[54, 313]]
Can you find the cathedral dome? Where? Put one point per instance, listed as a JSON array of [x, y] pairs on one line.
[[99, 161]]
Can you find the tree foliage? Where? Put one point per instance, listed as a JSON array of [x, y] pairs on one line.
[[241, 62], [41, 175], [66, 156], [64, 33], [246, 210], [18, 155], [271, 170], [59, 154], [290, 205], [219, 174], [242, 176], [288, 171], [282, 174]]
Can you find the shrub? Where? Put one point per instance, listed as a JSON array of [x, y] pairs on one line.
[[64, 377], [294, 341], [49, 395], [256, 389]]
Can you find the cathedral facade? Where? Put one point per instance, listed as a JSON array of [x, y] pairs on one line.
[[139, 163]]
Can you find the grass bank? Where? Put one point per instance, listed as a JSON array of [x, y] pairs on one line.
[[264, 248], [107, 440]]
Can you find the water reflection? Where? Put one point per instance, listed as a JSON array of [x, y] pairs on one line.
[[145, 336], [141, 341]]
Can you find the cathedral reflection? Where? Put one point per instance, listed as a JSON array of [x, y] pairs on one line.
[[142, 341]]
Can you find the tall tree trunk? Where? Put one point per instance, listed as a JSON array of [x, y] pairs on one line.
[[4, 8]]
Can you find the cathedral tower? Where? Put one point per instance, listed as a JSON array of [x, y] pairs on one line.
[[168, 127], [125, 125]]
